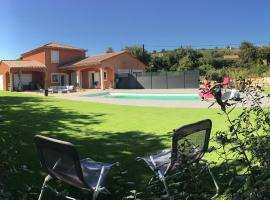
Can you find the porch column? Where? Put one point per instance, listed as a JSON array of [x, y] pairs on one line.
[[101, 78], [78, 78], [11, 81], [45, 81]]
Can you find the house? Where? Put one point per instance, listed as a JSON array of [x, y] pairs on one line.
[[231, 57], [56, 64]]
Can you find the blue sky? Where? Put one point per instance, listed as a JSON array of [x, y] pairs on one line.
[[99, 24]]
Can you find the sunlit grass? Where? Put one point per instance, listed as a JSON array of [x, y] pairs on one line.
[[101, 131]]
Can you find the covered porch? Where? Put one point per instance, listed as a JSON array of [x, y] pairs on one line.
[[25, 79], [24, 75], [90, 76]]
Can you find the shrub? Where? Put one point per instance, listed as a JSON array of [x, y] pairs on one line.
[[245, 146], [205, 68], [214, 75]]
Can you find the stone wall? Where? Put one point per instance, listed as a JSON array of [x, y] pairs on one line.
[[263, 82]]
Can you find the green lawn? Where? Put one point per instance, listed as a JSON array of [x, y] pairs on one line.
[[100, 131], [267, 91]]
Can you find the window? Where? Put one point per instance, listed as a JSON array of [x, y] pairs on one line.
[[55, 78], [54, 56], [105, 75], [137, 73]]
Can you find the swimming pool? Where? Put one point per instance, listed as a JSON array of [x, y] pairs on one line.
[[148, 96]]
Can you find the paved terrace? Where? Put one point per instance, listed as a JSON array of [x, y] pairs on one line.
[[78, 96]]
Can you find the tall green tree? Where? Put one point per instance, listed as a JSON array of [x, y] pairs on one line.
[[159, 62], [139, 53], [248, 53], [189, 59], [265, 54], [110, 50]]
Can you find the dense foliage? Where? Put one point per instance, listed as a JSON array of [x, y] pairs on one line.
[[244, 151], [253, 60], [244, 146]]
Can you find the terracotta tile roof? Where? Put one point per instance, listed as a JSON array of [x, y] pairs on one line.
[[55, 45], [231, 57], [93, 60], [24, 64]]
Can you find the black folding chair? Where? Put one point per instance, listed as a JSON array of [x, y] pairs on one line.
[[168, 162], [61, 161]]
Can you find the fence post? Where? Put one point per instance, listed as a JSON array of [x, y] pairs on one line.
[[151, 80], [184, 79], [167, 84], [136, 87]]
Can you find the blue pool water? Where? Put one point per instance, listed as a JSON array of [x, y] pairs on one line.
[[173, 97]]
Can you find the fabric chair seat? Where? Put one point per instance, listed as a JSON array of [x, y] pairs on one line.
[[61, 161], [189, 143], [91, 172], [160, 161]]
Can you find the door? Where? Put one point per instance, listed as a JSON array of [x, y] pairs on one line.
[[62, 80], [97, 80], [91, 79], [94, 80], [1, 82]]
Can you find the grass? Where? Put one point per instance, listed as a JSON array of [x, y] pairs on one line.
[[101, 131], [267, 91]]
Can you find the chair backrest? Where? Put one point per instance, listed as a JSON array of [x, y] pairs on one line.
[[190, 142], [60, 159]]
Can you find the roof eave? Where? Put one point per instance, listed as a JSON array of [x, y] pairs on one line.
[[44, 47], [78, 66]]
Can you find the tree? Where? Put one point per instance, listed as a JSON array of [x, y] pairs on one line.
[[248, 53], [205, 68], [158, 63], [139, 53], [110, 50], [185, 64], [190, 60], [265, 54]]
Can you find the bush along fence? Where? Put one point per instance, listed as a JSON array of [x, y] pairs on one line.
[[158, 80]]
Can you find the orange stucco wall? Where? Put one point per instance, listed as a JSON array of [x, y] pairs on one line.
[[109, 82], [44, 56], [123, 61], [38, 77], [37, 55], [4, 70], [110, 78], [65, 56]]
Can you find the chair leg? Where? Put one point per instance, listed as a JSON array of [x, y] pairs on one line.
[[213, 179], [44, 185], [163, 180], [166, 187], [97, 189], [95, 195], [161, 177]]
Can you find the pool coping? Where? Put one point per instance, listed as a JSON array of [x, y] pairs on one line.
[[78, 96]]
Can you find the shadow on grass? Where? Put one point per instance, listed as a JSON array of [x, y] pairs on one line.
[[121, 147], [23, 117]]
